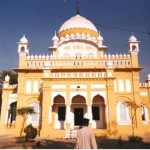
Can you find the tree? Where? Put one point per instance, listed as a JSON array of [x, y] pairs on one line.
[[13, 80], [24, 112], [13, 77], [132, 113], [31, 132]]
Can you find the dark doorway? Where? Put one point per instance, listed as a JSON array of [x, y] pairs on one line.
[[78, 116]]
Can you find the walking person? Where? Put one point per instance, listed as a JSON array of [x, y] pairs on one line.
[[85, 137]]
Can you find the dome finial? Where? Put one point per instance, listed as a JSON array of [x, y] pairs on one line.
[[78, 10]]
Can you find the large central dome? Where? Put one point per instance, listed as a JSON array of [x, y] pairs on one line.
[[78, 24]]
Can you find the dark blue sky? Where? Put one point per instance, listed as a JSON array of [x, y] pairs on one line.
[[38, 20]]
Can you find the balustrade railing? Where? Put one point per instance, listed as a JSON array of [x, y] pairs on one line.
[[42, 60]]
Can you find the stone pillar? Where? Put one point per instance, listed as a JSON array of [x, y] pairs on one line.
[[89, 105], [89, 112], [68, 108], [4, 107], [111, 109], [68, 116], [46, 121]]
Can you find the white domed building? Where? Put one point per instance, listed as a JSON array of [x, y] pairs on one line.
[[78, 79]]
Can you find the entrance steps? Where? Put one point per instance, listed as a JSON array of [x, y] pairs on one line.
[[72, 133]]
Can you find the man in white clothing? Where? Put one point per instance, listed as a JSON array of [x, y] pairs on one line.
[[85, 137]]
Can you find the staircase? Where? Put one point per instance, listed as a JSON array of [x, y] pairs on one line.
[[72, 133]]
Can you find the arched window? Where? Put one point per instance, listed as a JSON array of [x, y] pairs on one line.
[[12, 112], [22, 49], [28, 86], [122, 113], [134, 48], [34, 119], [144, 114]]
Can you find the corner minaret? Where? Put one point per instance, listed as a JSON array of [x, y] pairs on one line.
[[23, 51], [133, 49], [23, 45]]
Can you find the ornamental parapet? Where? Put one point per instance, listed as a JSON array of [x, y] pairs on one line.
[[40, 61]]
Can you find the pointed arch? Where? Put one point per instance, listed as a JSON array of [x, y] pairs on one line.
[[78, 99], [98, 99], [59, 99]]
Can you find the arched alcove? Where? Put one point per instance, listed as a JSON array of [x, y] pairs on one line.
[[78, 99], [98, 112], [98, 99], [59, 99]]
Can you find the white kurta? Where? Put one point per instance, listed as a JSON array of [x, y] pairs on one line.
[[86, 139]]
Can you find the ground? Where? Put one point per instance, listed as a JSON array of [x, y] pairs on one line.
[[9, 142]]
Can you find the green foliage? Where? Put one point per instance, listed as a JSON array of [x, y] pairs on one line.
[[31, 132], [13, 80], [135, 139], [24, 112], [13, 76]]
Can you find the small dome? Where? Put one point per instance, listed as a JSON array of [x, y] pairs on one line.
[[55, 38], [100, 38], [23, 39], [132, 39]]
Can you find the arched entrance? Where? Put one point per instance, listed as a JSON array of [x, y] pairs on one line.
[[79, 109], [59, 112], [12, 113], [98, 112]]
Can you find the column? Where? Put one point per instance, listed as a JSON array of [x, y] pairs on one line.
[[89, 105], [89, 112], [46, 105], [110, 109], [68, 107], [68, 114]]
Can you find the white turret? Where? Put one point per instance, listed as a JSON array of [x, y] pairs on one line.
[[133, 48], [133, 44], [23, 45]]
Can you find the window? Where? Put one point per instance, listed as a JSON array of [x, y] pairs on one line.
[[22, 49], [61, 113], [12, 112], [134, 48], [122, 113], [144, 114], [28, 86], [35, 87], [34, 118], [128, 86], [120, 86], [95, 113]]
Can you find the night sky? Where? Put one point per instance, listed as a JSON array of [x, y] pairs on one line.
[[38, 20]]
